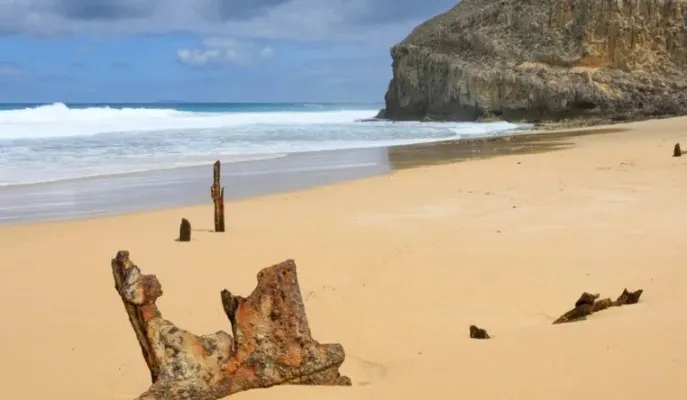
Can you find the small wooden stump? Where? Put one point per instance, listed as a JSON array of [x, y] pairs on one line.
[[185, 231], [217, 194], [677, 151], [478, 333], [588, 304]]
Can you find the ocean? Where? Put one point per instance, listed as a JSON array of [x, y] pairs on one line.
[[57, 142]]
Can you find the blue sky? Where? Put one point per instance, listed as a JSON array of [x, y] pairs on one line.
[[202, 50]]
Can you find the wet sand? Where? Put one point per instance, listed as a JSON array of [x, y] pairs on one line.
[[395, 267], [164, 189]]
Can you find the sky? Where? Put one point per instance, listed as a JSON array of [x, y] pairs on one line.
[[202, 50]]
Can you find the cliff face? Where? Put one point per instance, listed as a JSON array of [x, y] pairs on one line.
[[538, 60]]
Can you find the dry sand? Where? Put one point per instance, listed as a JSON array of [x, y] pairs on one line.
[[395, 268]]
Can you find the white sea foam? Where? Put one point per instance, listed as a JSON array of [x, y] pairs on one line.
[[58, 120], [55, 142]]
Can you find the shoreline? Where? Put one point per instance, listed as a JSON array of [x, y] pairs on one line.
[[396, 268], [111, 195]]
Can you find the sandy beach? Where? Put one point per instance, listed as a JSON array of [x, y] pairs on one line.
[[395, 268]]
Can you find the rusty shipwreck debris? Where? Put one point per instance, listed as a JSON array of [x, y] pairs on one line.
[[478, 333], [589, 303], [271, 342], [217, 194], [185, 230], [677, 151]]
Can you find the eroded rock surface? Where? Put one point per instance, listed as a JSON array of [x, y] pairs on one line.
[[271, 342], [543, 60]]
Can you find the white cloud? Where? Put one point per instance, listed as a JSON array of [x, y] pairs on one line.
[[267, 52], [218, 50], [197, 57], [10, 69], [373, 22]]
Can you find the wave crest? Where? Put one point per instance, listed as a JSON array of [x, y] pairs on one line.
[[59, 120], [59, 112]]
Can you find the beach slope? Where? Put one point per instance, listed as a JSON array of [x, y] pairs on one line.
[[395, 268]]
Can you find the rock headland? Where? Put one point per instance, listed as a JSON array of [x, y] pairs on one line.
[[543, 60]]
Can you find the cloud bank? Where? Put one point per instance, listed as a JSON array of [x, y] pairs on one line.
[[270, 19]]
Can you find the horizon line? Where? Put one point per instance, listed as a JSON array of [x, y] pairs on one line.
[[190, 102]]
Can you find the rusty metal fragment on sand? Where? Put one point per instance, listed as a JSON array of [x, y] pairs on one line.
[[588, 304], [478, 333], [271, 343]]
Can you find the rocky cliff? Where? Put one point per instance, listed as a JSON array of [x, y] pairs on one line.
[[543, 60]]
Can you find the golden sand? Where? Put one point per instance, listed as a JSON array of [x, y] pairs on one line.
[[396, 268]]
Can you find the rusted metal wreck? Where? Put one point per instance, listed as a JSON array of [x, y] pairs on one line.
[[271, 343]]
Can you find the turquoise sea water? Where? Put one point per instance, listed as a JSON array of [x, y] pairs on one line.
[[52, 142]]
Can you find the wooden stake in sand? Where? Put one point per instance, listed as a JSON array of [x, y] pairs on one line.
[[271, 342], [185, 231], [217, 194], [677, 151]]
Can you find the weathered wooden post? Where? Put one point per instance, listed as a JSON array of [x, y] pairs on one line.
[[217, 193], [677, 151], [185, 231]]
